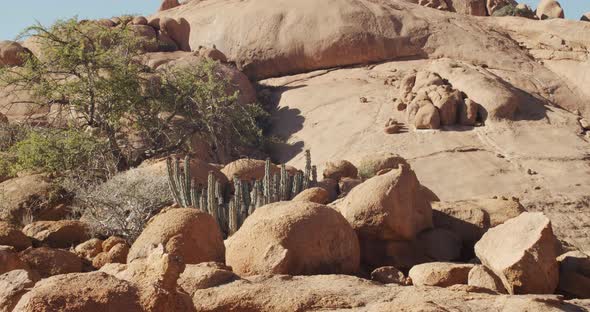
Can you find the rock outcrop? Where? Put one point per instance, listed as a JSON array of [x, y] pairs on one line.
[[10, 260], [205, 275], [339, 292], [49, 262], [522, 252], [299, 238], [574, 274], [480, 276], [13, 285], [11, 236], [31, 196], [189, 234], [316, 195], [11, 53], [441, 274], [79, 292], [549, 9], [58, 234]]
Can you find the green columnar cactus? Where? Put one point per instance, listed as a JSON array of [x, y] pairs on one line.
[[187, 182], [211, 201], [284, 193], [307, 175], [171, 163], [233, 218], [248, 195], [297, 183], [267, 182]]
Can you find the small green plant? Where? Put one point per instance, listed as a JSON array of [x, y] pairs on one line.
[[513, 10], [247, 195], [58, 151]]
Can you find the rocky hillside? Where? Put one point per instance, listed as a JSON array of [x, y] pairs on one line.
[[451, 139]]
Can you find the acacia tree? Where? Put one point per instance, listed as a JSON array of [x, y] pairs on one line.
[[93, 73]]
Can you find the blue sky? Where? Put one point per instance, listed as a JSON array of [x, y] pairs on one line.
[[17, 15], [21, 13]]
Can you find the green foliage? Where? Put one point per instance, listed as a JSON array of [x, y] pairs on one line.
[[93, 72], [507, 10], [513, 10], [247, 196], [58, 151]]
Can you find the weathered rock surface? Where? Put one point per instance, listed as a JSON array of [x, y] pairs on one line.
[[89, 249], [13, 285], [189, 234], [9, 260], [549, 9], [470, 219], [442, 274], [316, 195], [58, 234], [11, 53], [31, 195], [370, 164], [522, 252], [388, 275], [49, 262], [116, 254], [340, 292], [299, 238], [337, 170], [387, 207], [11, 236], [574, 274], [480, 276], [205, 275], [156, 278], [247, 169], [79, 292]]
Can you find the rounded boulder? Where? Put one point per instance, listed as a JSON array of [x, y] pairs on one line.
[[296, 238], [188, 233]]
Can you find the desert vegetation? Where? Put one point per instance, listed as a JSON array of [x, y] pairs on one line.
[[164, 163]]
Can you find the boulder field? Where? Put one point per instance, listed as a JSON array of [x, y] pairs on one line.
[[452, 145]]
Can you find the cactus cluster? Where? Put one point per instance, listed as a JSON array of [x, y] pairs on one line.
[[231, 209]]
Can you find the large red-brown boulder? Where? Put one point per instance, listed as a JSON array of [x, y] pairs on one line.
[[9, 260], [89, 249], [316, 195], [11, 53], [247, 169], [32, 197], [388, 207], [156, 278], [11, 236], [442, 274], [574, 274], [372, 163], [13, 285], [81, 292], [168, 4], [189, 234], [58, 234], [522, 252], [549, 9], [299, 238], [470, 219], [340, 169], [49, 262], [205, 275]]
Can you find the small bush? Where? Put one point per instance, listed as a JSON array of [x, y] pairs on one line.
[[122, 205], [59, 151]]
